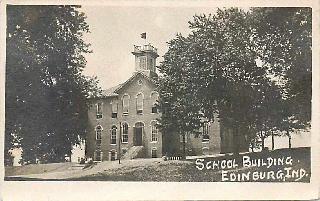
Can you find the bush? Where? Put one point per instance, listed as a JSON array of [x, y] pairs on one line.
[[82, 161]]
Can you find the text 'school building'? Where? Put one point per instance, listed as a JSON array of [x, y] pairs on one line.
[[131, 107]]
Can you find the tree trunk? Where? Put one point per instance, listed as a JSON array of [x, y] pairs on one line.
[[289, 136], [262, 140], [184, 146], [236, 140], [272, 138]]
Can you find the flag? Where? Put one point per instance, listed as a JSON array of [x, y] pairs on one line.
[[144, 35]]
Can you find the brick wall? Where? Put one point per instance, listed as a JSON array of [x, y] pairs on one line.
[[131, 89]]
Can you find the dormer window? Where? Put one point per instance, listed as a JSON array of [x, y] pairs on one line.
[[139, 103], [99, 110]]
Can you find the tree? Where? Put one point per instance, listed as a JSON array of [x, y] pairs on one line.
[[285, 40], [284, 44], [180, 111], [218, 64], [46, 93], [217, 61]]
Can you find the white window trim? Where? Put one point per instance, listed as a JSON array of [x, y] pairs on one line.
[[144, 125], [122, 133], [97, 110], [154, 121], [115, 134], [114, 102], [154, 92], [142, 105], [123, 112], [97, 130]]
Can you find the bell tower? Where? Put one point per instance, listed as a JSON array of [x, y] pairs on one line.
[[145, 59]]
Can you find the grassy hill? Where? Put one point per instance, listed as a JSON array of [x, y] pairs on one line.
[[295, 161], [186, 171]]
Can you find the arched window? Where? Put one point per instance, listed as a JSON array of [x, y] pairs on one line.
[[98, 137], [154, 131], [99, 110], [139, 103], [98, 132], [125, 104], [113, 134], [154, 99], [125, 132]]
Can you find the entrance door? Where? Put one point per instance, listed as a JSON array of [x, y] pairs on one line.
[[138, 134]]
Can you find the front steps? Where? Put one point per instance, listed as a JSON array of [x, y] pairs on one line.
[[134, 152]]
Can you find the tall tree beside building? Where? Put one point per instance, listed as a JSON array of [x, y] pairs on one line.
[[219, 63], [218, 59], [45, 89], [180, 110]]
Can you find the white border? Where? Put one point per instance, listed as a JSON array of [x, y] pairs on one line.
[[92, 190]]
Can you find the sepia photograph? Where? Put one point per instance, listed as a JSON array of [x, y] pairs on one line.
[[158, 94]]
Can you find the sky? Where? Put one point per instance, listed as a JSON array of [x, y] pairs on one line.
[[114, 31]]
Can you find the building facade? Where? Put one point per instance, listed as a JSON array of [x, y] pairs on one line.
[[123, 120], [122, 123]]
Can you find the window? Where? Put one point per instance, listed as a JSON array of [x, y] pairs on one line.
[[205, 132], [114, 110], [125, 104], [98, 156], [151, 64], [113, 134], [154, 152], [139, 103], [154, 98], [113, 155], [99, 111], [142, 63], [98, 132], [98, 137], [125, 132], [154, 131]]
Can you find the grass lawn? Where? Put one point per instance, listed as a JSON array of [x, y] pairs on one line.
[[186, 171]]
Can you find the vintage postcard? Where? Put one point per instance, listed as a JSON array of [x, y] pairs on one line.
[[159, 100]]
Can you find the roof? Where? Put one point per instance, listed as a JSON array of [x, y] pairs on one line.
[[113, 90], [110, 92]]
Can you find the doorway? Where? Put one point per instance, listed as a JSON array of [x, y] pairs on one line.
[[138, 131]]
